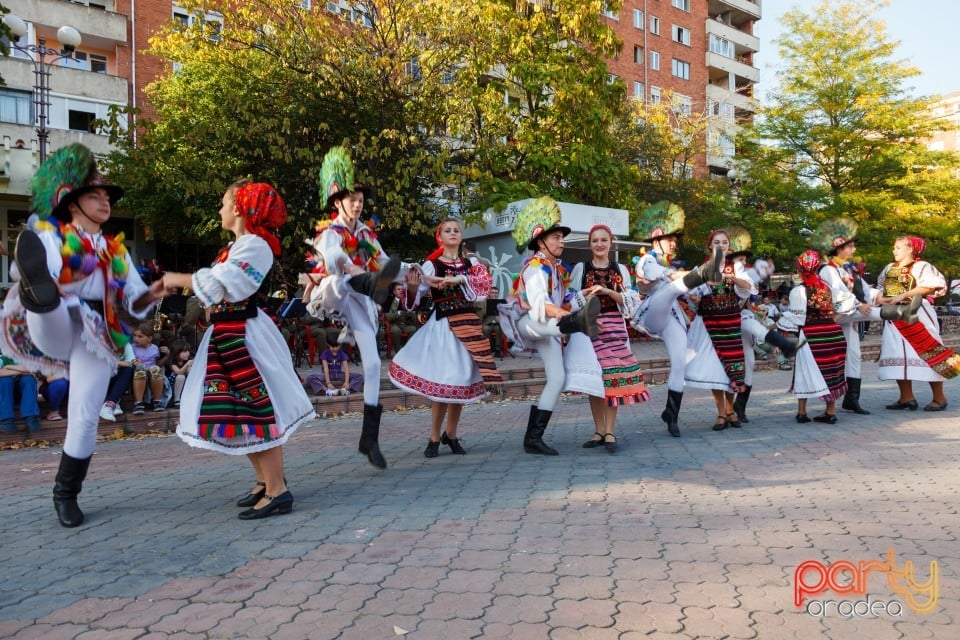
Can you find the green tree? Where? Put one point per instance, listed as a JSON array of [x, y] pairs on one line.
[[850, 137]]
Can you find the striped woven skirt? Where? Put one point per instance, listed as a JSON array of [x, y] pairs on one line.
[[447, 360], [829, 349], [622, 378], [726, 336], [235, 400], [941, 359]]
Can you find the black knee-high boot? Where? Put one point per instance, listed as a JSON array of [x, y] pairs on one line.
[[740, 404], [376, 285], [671, 414], [533, 438], [38, 289], [370, 435], [851, 401], [67, 486]]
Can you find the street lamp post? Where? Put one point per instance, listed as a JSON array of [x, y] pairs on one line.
[[69, 37]]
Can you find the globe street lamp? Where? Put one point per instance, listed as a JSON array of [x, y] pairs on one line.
[[70, 39]]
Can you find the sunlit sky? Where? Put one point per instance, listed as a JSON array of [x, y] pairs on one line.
[[927, 31]]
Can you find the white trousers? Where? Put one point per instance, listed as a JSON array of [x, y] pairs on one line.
[[57, 335], [658, 320], [751, 329], [544, 337]]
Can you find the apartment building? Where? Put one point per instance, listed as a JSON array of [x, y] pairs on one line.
[[701, 51], [946, 113]]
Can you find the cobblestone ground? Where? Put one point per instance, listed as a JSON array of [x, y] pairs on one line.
[[696, 537]]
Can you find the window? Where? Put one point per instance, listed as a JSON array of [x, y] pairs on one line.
[[654, 60], [77, 61], [638, 54], [681, 69], [682, 170], [412, 69], [720, 110], [638, 90], [655, 25], [721, 46], [613, 14], [212, 18], [681, 35], [654, 95], [16, 107], [638, 19], [683, 5], [98, 63], [81, 121], [682, 105]]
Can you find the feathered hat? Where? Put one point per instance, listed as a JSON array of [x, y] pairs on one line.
[[540, 216], [65, 175], [658, 221], [336, 176], [832, 234], [740, 241]]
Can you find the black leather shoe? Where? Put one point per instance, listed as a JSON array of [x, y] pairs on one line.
[[734, 421], [282, 503], [432, 450], [453, 443], [38, 289], [593, 444], [936, 406], [720, 424], [826, 418], [610, 445], [899, 406], [253, 498], [802, 418]]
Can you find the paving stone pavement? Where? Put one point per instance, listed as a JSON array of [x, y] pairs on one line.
[[696, 537]]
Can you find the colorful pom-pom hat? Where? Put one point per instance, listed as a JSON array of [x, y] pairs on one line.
[[540, 216], [64, 176], [659, 220], [337, 177], [832, 234]]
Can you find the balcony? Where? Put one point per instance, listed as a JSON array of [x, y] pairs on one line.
[[86, 84], [719, 66], [739, 101], [742, 42], [735, 12], [100, 29]]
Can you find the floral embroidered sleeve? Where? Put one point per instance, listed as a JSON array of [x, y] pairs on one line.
[[133, 288], [238, 276], [478, 281], [536, 294]]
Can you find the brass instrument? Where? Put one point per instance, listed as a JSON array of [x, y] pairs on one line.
[[159, 320]]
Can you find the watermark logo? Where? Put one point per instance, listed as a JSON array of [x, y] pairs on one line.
[[844, 577]]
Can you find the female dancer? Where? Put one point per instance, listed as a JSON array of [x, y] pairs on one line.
[[622, 378], [715, 336], [659, 313], [73, 282], [535, 319], [351, 272], [914, 351], [818, 372], [240, 397], [448, 359], [853, 298]]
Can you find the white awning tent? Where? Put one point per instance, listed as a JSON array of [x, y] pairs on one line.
[[495, 243]]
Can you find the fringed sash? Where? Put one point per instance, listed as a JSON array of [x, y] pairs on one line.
[[941, 359], [829, 349], [466, 327], [235, 401]]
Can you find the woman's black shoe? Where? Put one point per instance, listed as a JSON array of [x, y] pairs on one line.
[[826, 418], [610, 445], [734, 421], [282, 503], [909, 404], [453, 443], [253, 498], [432, 450], [721, 423], [802, 418], [936, 406], [593, 444]]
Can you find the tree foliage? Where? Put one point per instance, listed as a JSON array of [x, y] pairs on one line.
[[848, 138]]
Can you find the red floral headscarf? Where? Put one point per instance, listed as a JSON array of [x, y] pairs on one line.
[[919, 246], [808, 264], [262, 209]]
